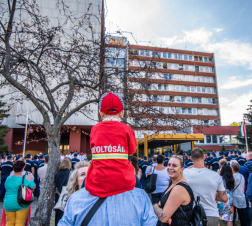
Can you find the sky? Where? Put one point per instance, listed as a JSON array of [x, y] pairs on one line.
[[220, 27]]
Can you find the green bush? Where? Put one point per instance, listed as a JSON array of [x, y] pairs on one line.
[[204, 150]]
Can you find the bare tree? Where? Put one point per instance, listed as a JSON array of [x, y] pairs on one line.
[[59, 68]]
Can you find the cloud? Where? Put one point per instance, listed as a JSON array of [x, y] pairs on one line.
[[218, 29], [227, 52], [197, 36], [233, 107], [234, 82]]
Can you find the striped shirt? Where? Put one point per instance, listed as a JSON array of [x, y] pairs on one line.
[[248, 165]]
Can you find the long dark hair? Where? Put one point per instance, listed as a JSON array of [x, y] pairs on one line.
[[134, 162], [227, 175]]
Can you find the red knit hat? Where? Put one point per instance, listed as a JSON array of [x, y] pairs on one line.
[[111, 103]]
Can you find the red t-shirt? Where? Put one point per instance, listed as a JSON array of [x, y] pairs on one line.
[[110, 172]]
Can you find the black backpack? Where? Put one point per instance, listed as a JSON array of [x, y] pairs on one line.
[[199, 216]]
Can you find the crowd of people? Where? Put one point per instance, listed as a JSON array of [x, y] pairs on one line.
[[109, 189]]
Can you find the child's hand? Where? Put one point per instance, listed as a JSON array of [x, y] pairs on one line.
[[169, 221]]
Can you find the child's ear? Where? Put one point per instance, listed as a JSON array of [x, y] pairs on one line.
[[121, 114], [101, 113]]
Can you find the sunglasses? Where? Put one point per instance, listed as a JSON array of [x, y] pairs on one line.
[[179, 156]]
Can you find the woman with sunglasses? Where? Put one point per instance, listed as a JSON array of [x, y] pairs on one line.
[[178, 194]]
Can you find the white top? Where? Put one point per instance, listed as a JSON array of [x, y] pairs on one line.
[[162, 180], [243, 155], [148, 168], [42, 174], [205, 183], [238, 193]]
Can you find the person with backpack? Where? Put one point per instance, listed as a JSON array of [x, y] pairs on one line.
[[177, 199], [207, 184]]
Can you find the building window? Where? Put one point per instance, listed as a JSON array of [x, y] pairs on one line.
[[180, 56], [189, 111], [176, 88], [199, 100], [159, 87], [183, 110], [208, 139], [214, 139], [197, 68], [201, 141], [183, 99], [164, 55], [165, 65], [205, 111], [165, 87], [192, 88], [141, 53], [175, 56], [178, 98], [185, 57], [155, 98], [210, 100], [158, 54], [147, 53], [203, 89], [190, 58], [194, 111], [182, 88], [169, 55], [189, 99], [206, 122], [194, 100], [179, 110], [166, 76], [167, 98], [225, 139]]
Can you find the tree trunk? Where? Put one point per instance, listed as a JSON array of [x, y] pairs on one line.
[[47, 193]]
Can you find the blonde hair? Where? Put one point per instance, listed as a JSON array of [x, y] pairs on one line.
[[72, 185], [65, 164], [223, 161]]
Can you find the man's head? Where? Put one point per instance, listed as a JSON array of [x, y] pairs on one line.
[[9, 158], [28, 156], [208, 154], [235, 152], [235, 166], [46, 159], [35, 157], [75, 154], [41, 157], [239, 153], [197, 154], [226, 154], [154, 158], [160, 159], [221, 153], [214, 155], [145, 158], [111, 105], [249, 156]]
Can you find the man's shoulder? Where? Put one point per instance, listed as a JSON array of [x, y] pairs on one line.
[[134, 194], [206, 171]]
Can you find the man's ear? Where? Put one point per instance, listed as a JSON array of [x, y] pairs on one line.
[[101, 114], [121, 114]]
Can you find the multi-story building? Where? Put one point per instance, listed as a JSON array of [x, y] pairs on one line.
[[76, 139], [182, 80]]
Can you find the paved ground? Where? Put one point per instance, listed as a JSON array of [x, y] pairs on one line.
[[33, 208]]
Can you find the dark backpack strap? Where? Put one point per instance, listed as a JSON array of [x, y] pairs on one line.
[[92, 211], [180, 208]]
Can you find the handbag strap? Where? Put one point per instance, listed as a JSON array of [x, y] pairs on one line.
[[238, 184], [23, 180], [92, 211]]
